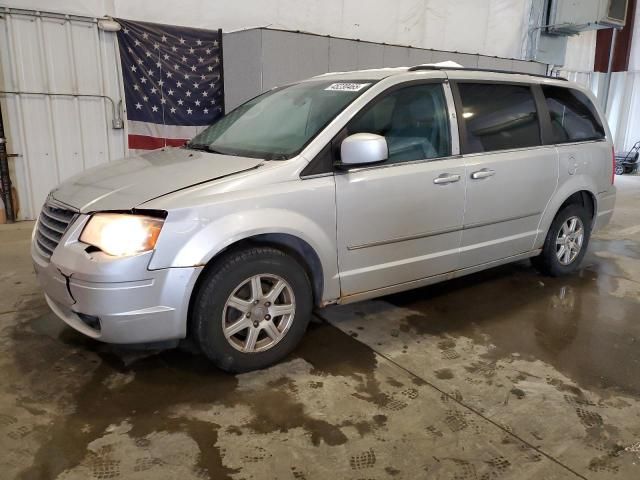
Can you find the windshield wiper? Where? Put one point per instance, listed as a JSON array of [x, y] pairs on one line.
[[205, 148]]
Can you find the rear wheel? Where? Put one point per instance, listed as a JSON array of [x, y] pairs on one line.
[[619, 169], [252, 309], [566, 242]]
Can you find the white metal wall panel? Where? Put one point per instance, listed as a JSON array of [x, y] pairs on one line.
[[56, 136]]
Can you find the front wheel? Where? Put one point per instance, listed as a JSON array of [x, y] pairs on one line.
[[252, 309], [566, 242], [619, 169]]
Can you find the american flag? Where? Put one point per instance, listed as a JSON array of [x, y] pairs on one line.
[[173, 82]]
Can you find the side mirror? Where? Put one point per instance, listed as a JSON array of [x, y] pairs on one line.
[[362, 149]]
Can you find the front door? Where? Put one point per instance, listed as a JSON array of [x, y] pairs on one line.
[[401, 220]]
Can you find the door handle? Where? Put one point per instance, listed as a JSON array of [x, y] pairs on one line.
[[446, 178], [484, 173]]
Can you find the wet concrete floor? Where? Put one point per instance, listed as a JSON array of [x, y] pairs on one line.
[[501, 375]]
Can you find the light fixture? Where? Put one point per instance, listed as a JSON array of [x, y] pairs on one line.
[[467, 114], [109, 25]]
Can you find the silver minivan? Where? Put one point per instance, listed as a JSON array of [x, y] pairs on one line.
[[340, 188]]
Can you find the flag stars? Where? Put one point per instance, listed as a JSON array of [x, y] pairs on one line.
[[165, 56], [174, 48], [193, 68], [154, 108], [191, 50], [204, 93], [200, 59], [147, 53], [136, 87], [206, 110], [188, 93], [176, 67], [208, 50], [178, 84], [196, 85], [189, 111], [182, 40], [126, 31], [170, 92], [143, 80], [169, 74], [184, 59], [133, 68], [215, 44], [180, 102], [163, 101], [156, 46], [202, 77], [145, 35], [173, 109], [158, 64], [186, 76], [198, 42], [145, 98], [161, 82], [136, 42], [197, 102], [164, 38], [210, 68], [154, 90], [138, 106], [140, 61]]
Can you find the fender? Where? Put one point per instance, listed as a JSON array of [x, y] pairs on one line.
[[203, 239]]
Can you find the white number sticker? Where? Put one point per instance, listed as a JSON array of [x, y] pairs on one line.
[[346, 87]]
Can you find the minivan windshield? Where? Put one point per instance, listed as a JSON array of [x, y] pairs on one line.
[[278, 124]]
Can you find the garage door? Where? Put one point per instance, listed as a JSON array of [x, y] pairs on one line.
[[60, 92]]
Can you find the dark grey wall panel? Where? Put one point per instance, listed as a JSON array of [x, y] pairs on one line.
[[418, 56], [393, 56], [343, 55], [495, 63], [288, 56], [242, 66], [370, 55], [260, 59]]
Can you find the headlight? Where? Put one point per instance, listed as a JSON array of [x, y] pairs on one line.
[[122, 234]]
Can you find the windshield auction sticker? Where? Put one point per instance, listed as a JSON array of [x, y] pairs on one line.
[[346, 87]]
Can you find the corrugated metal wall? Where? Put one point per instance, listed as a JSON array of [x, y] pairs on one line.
[[256, 60], [56, 136]]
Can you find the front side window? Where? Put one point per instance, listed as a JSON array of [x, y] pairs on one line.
[[573, 116], [278, 124], [498, 117], [413, 120]]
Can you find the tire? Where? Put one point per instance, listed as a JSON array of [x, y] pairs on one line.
[[619, 170], [548, 262], [214, 309]]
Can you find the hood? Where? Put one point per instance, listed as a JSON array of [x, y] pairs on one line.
[[129, 182]]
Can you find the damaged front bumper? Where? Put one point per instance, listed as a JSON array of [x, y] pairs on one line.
[[115, 300]]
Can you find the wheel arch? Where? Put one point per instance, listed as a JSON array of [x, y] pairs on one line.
[[290, 244], [584, 196]]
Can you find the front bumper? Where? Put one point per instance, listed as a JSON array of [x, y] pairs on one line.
[[114, 300]]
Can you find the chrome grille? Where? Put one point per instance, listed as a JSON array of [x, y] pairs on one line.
[[52, 223]]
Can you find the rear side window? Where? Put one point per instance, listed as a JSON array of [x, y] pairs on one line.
[[498, 117], [573, 116], [413, 120]]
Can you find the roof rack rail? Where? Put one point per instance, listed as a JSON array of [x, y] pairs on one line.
[[417, 68]]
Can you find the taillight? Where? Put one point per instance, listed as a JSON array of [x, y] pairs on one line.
[[613, 164]]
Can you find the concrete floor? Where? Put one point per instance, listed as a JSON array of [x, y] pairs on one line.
[[501, 375]]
